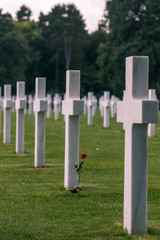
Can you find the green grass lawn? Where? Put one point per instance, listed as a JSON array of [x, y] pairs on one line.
[[34, 204]]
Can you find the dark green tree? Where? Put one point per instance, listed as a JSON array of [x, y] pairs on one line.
[[13, 52], [24, 13], [65, 35], [133, 29], [90, 72], [49, 47], [34, 42]]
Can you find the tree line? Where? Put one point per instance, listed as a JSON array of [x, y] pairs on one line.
[[58, 41]]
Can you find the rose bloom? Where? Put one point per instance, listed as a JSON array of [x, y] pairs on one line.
[[84, 155], [39, 166], [73, 190]]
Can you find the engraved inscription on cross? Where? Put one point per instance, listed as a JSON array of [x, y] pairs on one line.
[[136, 111]]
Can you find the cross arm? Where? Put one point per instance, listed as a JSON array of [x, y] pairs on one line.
[[150, 110], [73, 107], [137, 111]]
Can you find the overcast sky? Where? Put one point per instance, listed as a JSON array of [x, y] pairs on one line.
[[92, 10]]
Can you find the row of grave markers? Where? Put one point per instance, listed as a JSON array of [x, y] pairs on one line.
[[20, 104], [40, 107], [106, 105], [136, 111], [90, 105], [56, 103]]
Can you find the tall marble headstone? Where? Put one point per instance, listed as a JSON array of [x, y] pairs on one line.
[[7, 104], [40, 107], [72, 107], [136, 111], [20, 106]]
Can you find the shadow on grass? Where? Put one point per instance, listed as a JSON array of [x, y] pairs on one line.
[[154, 231], [14, 154]]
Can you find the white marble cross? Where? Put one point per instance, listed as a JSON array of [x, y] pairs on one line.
[[20, 106], [136, 111], [7, 104], [40, 107], [106, 109], [30, 104], [90, 106], [151, 126], [72, 107], [94, 107], [56, 103], [49, 105]]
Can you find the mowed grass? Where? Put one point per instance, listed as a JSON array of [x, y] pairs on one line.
[[34, 204]]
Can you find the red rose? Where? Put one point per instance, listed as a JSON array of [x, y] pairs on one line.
[[84, 155], [73, 190], [39, 166]]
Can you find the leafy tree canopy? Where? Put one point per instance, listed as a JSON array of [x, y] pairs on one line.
[[133, 29], [13, 52], [64, 31], [24, 13]]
